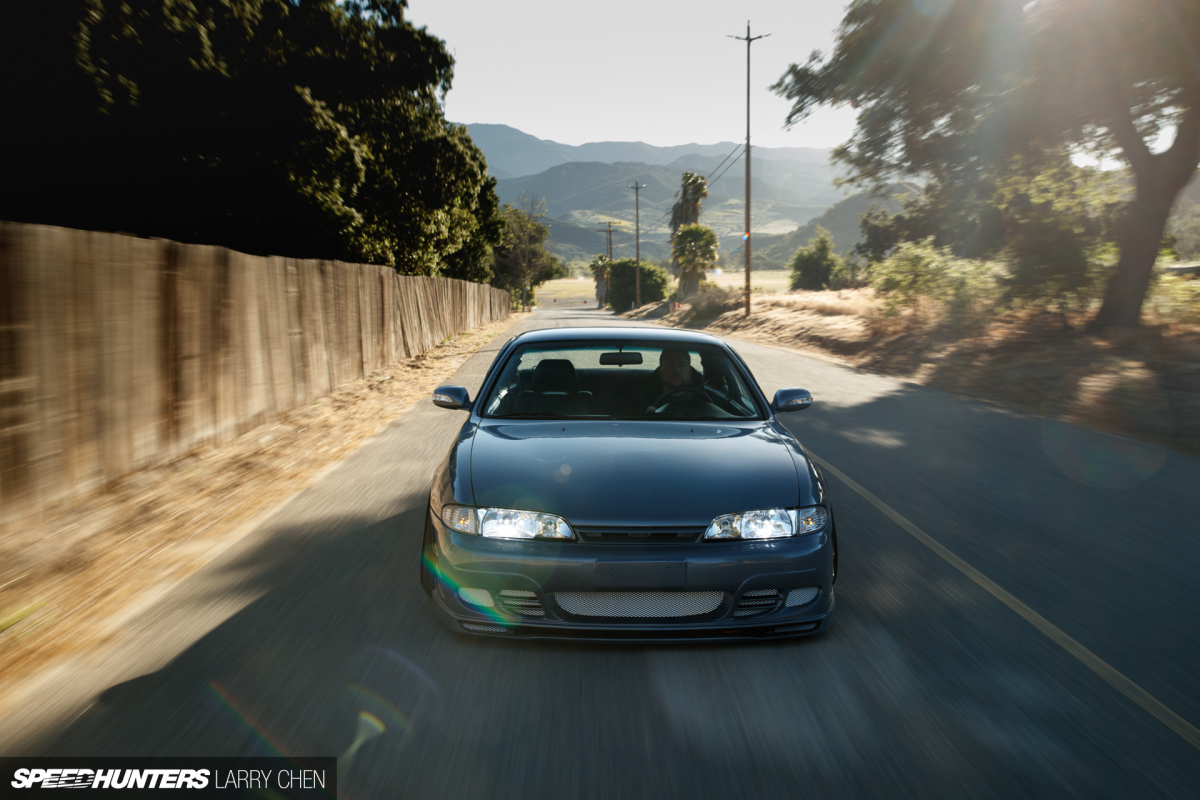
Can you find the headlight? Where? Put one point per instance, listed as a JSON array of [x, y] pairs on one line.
[[771, 523], [505, 523]]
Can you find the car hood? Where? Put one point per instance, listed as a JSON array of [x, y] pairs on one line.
[[635, 473]]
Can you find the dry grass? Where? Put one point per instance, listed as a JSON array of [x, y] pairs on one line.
[[761, 281], [853, 302], [66, 584], [1144, 385]]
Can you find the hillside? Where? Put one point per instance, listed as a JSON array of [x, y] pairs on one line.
[[513, 153], [842, 222], [589, 194], [585, 186]]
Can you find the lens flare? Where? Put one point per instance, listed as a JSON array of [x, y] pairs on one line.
[[1093, 458], [452, 587], [1124, 398], [225, 702], [369, 727], [382, 707]]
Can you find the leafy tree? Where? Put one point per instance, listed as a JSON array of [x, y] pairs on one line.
[[1043, 216], [686, 210], [1184, 228], [813, 266], [622, 288], [307, 128], [474, 261], [949, 90], [522, 262], [694, 248], [600, 272]]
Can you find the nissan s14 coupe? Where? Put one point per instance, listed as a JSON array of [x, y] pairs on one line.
[[627, 484]]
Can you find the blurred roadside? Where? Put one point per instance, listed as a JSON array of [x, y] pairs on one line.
[[68, 584]]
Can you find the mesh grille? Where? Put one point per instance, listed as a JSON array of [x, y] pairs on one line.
[[761, 593], [799, 597], [477, 597], [638, 604], [484, 628], [796, 628]]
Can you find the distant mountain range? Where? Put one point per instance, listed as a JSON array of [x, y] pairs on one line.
[[512, 153], [585, 186]]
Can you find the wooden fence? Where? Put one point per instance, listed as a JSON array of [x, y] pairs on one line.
[[119, 353]]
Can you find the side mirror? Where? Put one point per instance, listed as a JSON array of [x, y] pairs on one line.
[[791, 400], [452, 397]]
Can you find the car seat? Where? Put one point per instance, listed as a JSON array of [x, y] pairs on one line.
[[555, 391]]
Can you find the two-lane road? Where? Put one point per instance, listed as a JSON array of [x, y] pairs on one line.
[[1016, 617]]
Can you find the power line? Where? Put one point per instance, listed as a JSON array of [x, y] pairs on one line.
[[731, 164], [726, 158]]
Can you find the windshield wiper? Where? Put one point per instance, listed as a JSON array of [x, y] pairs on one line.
[[527, 415]]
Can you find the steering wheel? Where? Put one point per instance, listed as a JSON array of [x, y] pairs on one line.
[[699, 392]]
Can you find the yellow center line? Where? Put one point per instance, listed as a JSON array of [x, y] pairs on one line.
[[1089, 659]]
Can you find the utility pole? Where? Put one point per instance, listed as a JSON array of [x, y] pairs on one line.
[[609, 231], [637, 215], [748, 39]]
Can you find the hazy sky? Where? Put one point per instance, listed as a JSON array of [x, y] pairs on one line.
[[657, 71]]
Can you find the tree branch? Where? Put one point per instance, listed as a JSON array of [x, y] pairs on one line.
[[1184, 154], [1120, 124]]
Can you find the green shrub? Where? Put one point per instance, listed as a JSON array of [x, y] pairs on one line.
[[813, 265], [622, 288], [1176, 299], [918, 276]]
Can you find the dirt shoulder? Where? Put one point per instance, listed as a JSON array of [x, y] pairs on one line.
[[1144, 386], [67, 583]]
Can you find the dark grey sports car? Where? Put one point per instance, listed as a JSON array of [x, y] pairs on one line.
[[627, 484]]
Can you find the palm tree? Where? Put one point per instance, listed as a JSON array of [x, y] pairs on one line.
[[686, 210], [695, 250]]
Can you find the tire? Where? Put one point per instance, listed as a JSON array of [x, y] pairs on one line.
[[833, 541], [428, 580]]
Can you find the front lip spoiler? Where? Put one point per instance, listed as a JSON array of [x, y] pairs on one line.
[[639, 634]]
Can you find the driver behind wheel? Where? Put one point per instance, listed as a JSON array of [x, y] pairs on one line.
[[674, 370]]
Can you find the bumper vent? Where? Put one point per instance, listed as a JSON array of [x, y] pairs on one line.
[[521, 603], [800, 597], [808, 626], [757, 602], [471, 626], [639, 604]]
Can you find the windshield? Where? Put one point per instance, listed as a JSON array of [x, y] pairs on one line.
[[621, 380]]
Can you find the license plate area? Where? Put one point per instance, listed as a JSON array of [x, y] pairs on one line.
[[641, 575]]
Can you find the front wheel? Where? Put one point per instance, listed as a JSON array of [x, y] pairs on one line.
[[428, 562], [833, 544]]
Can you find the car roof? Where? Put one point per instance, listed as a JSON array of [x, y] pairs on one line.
[[664, 335]]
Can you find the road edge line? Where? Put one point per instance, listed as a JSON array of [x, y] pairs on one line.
[[1099, 666]]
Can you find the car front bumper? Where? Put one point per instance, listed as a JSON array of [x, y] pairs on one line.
[[564, 590]]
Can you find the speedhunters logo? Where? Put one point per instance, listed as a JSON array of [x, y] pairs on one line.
[[160, 777], [59, 778]]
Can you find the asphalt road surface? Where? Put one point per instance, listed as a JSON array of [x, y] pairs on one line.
[[1017, 616]]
